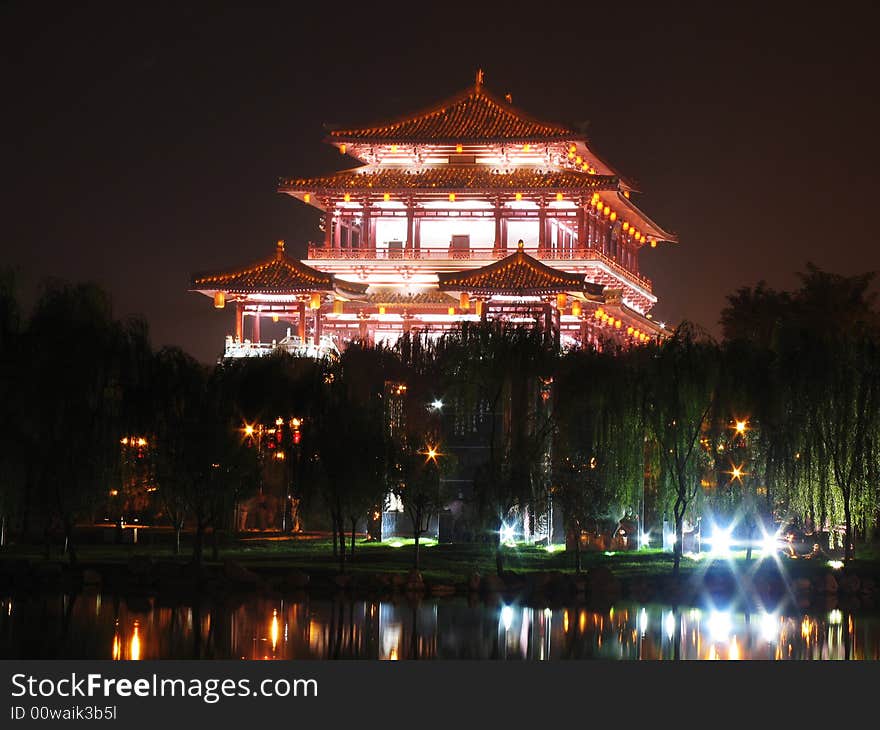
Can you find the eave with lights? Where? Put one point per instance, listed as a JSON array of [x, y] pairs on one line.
[[425, 231]]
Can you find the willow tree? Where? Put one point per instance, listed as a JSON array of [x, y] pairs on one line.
[[682, 377], [599, 443]]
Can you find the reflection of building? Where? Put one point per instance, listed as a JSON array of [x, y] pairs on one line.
[[467, 210]]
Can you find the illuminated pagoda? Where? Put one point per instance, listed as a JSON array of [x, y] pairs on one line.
[[469, 209]]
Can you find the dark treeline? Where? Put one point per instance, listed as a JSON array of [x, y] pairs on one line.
[[592, 431]]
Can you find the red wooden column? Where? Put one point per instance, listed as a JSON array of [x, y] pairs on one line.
[[366, 226], [498, 233], [301, 322], [255, 330], [317, 326], [581, 227], [328, 224], [239, 321], [542, 227], [337, 232], [410, 233], [417, 233]]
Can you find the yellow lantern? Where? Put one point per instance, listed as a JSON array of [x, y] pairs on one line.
[[386, 197], [626, 194], [599, 313], [337, 306], [526, 147], [451, 311], [576, 309], [307, 197], [394, 148], [458, 148], [570, 154], [617, 324], [625, 226], [578, 160], [642, 238], [629, 330], [613, 217], [464, 300], [561, 300], [315, 301], [219, 300], [559, 196], [607, 210], [595, 198], [342, 149], [572, 148], [346, 198], [479, 307], [653, 244], [381, 310], [274, 317], [518, 196], [451, 197]]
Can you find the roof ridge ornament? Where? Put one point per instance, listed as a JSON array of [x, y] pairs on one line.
[[279, 250], [478, 81]]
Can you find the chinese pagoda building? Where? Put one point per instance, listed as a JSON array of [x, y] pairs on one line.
[[470, 209]]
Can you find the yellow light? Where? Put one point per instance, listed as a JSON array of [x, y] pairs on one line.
[[561, 300], [613, 217], [625, 226], [451, 197], [599, 313], [592, 170], [740, 426], [629, 330], [135, 650], [279, 421], [578, 160], [337, 306], [346, 198], [526, 147], [273, 629], [570, 154], [124, 441], [519, 196], [479, 308], [394, 148], [274, 317], [607, 210], [559, 196], [595, 198], [451, 311], [296, 422], [618, 324], [342, 149], [307, 198], [572, 148], [141, 441], [634, 233], [576, 308], [585, 167], [248, 430], [464, 300], [458, 148], [734, 649], [653, 244], [381, 310], [219, 300], [386, 197], [642, 238], [279, 455], [315, 301], [114, 492]]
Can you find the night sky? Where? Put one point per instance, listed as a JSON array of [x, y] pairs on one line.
[[140, 144]]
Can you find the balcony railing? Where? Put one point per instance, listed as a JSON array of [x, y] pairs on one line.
[[235, 349], [317, 252]]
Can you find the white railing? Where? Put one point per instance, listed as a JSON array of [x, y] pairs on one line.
[[292, 345]]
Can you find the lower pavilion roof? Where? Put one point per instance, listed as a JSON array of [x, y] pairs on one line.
[[394, 296], [448, 178], [517, 274], [278, 275]]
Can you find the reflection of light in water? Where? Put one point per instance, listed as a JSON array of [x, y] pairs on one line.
[[524, 632], [769, 624], [135, 650], [835, 617], [582, 621], [806, 627], [643, 622], [391, 641], [117, 644], [712, 653], [393, 655], [734, 649], [565, 620], [507, 617], [669, 624], [273, 629], [719, 625]]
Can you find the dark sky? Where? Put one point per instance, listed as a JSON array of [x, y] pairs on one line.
[[142, 142]]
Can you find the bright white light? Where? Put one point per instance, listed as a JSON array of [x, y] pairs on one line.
[[769, 627], [609, 554], [669, 624], [554, 548], [645, 539], [720, 541], [396, 544], [719, 625], [835, 617], [506, 535], [507, 617], [437, 404], [835, 564], [643, 622]]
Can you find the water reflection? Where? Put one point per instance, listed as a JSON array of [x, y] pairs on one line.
[[110, 627]]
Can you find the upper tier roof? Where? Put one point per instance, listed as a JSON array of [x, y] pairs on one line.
[[517, 274], [278, 275], [471, 116], [452, 178]]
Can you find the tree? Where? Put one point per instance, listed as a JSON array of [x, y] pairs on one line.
[[682, 382]]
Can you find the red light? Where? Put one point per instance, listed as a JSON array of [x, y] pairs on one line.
[[296, 437]]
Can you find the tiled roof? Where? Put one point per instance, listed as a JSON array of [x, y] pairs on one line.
[[518, 273], [473, 115], [393, 296], [278, 275], [442, 178]]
